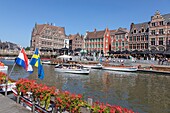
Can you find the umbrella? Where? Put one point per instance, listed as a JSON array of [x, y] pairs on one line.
[[83, 51]]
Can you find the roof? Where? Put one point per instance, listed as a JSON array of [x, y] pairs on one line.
[[95, 34], [40, 27], [121, 31], [138, 26], [112, 32], [71, 37], [166, 17]]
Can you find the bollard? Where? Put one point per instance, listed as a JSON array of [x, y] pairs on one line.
[[53, 104], [85, 110], [90, 101], [33, 106], [18, 99]]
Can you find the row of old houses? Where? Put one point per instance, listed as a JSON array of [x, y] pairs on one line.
[[151, 35]]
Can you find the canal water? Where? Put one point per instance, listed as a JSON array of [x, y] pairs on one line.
[[141, 92]]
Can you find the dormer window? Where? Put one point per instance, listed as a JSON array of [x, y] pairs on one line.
[[134, 31], [142, 30]]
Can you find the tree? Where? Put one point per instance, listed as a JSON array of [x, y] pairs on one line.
[[27, 48]]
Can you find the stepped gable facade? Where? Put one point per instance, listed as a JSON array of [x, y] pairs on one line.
[[76, 41], [159, 36], [47, 37], [139, 36], [153, 35], [119, 39]]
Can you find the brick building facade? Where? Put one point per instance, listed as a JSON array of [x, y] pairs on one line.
[[47, 37], [119, 39], [159, 32], [98, 41], [139, 36], [76, 41]]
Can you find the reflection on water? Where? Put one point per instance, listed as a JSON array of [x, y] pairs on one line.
[[144, 93]]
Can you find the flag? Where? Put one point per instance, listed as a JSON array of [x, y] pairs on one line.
[[36, 61], [23, 61]]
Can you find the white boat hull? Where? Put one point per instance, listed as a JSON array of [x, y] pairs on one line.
[[127, 69], [4, 69], [46, 62], [94, 66], [75, 71]]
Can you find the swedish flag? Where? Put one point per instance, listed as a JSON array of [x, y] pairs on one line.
[[36, 61]]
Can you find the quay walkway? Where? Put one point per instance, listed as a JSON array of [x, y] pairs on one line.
[[7, 105]]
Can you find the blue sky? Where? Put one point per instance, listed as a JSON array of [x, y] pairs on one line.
[[18, 17]]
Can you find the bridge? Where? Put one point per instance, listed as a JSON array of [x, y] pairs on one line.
[[15, 53]]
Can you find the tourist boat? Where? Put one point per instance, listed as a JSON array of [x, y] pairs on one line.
[[72, 68], [4, 69], [96, 66], [121, 68], [162, 69]]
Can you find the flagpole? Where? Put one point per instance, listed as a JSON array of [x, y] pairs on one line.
[[6, 87]]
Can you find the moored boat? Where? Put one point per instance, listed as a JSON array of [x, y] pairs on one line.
[[4, 69], [96, 66], [48, 62], [162, 69], [10, 86], [121, 68], [4, 85], [72, 68]]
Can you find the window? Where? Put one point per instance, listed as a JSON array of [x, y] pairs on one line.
[[153, 24], [116, 37], [134, 38], [123, 36], [134, 46], [142, 30], [138, 38], [113, 43], [138, 46], [152, 41], [116, 44], [161, 31], [161, 23], [142, 46], [106, 39], [119, 43], [146, 37], [153, 32], [134, 31], [161, 41], [130, 46], [123, 43], [142, 38], [130, 38], [146, 45]]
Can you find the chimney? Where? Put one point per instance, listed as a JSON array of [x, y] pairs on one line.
[[94, 29]]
